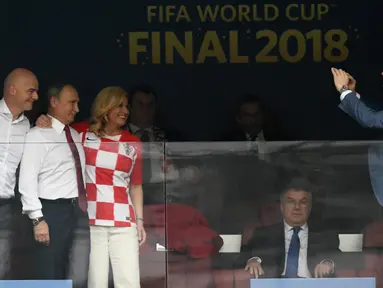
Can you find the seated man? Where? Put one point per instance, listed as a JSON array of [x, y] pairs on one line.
[[292, 248]]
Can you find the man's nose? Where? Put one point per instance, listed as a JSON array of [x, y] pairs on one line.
[[76, 109], [35, 96]]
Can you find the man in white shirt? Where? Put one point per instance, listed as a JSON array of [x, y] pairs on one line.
[[52, 183], [20, 91], [293, 248]]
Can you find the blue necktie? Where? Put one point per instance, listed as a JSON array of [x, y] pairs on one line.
[[293, 255]]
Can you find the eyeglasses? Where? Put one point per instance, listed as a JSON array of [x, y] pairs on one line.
[[293, 202]]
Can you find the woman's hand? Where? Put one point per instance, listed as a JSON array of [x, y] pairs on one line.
[[141, 233]]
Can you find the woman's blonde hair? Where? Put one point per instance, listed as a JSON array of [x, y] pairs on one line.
[[106, 100]]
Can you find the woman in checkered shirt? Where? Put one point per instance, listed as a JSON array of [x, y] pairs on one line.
[[114, 192]]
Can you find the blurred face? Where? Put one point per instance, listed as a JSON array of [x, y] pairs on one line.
[[296, 207], [65, 107], [118, 116], [24, 91], [143, 109], [249, 118]]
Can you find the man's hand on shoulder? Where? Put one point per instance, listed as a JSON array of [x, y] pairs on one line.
[[324, 269], [254, 267], [44, 121]]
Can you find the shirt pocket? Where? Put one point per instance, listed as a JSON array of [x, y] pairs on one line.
[[17, 143]]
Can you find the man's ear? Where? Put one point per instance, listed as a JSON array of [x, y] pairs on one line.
[[12, 89], [53, 101]]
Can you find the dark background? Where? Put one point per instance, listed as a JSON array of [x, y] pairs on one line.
[[75, 41]]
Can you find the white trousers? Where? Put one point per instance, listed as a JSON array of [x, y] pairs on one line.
[[119, 245]]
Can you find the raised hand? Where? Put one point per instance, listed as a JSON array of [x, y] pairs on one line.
[[351, 82], [340, 78]]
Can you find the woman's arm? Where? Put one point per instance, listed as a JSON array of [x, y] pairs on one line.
[[137, 196]]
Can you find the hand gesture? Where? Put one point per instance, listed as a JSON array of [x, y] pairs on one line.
[[340, 78], [141, 233], [254, 268], [324, 269], [44, 122], [41, 232], [351, 82]]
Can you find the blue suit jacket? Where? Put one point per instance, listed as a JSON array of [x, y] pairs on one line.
[[370, 118]]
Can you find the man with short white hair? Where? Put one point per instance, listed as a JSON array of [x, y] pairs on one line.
[[293, 248]]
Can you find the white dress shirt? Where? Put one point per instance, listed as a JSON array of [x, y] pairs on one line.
[[138, 132], [12, 137], [303, 270], [47, 167]]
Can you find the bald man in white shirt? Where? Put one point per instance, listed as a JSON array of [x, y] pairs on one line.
[[19, 94]]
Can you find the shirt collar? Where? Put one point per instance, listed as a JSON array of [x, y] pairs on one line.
[[4, 109], [288, 227], [135, 129], [57, 125], [259, 137]]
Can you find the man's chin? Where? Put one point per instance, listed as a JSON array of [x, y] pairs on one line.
[[28, 107]]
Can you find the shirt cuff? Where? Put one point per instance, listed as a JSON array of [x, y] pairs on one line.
[[345, 93], [329, 261], [35, 214], [256, 259]]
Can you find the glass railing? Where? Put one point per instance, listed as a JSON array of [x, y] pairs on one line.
[[206, 204]]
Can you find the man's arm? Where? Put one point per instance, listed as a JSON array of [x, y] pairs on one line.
[[324, 261], [262, 247], [31, 163], [364, 115]]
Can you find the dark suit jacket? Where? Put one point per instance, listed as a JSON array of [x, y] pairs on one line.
[[236, 135], [370, 118], [364, 115], [269, 244]]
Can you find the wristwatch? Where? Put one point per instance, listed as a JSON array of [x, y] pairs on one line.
[[344, 88], [37, 221]]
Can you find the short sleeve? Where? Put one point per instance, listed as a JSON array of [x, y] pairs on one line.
[[82, 136], [81, 127], [136, 177]]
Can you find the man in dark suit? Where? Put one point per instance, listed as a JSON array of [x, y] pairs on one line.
[[345, 84], [350, 101], [292, 248], [249, 121]]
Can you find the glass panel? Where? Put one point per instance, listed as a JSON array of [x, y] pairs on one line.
[[204, 202], [107, 175], [228, 197], [153, 252]]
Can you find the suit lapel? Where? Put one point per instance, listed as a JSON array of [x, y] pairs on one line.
[[282, 254], [314, 246]]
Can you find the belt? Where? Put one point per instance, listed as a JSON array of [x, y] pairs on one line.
[[5, 201], [71, 201]]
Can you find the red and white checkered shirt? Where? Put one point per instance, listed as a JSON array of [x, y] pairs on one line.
[[112, 165]]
